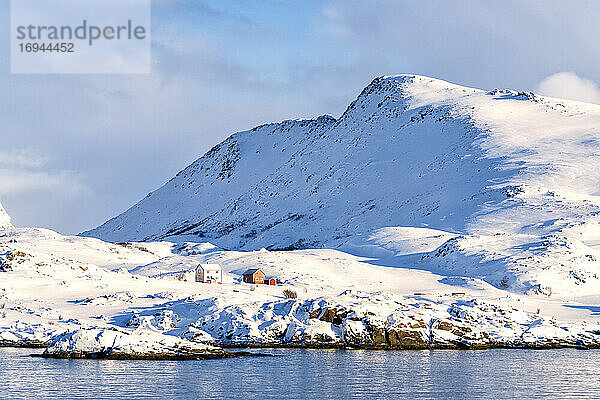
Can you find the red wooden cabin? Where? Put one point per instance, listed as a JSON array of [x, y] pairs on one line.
[[271, 281]]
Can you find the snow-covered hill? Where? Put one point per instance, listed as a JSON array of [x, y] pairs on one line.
[[507, 184], [84, 296], [5, 221]]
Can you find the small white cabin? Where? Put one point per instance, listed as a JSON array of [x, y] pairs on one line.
[[209, 273]]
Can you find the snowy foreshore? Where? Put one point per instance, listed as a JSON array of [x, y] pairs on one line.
[[369, 321], [138, 344], [360, 322]]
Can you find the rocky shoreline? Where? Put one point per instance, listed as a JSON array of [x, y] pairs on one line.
[[387, 341], [379, 323], [465, 347], [224, 353], [191, 329], [166, 356], [25, 345]]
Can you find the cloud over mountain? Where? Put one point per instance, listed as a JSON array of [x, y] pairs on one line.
[[568, 85]]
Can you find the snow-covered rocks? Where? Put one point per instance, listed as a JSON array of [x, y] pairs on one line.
[[22, 334], [367, 321], [142, 343], [5, 222], [10, 259]]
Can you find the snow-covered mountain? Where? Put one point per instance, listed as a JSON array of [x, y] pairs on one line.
[[507, 184], [5, 221]]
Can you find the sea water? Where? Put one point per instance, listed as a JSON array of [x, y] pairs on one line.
[[312, 374]]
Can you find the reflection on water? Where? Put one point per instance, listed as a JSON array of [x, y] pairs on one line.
[[302, 374]]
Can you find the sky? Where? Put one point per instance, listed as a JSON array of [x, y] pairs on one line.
[[80, 149]]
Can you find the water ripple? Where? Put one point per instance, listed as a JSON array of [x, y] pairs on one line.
[[308, 374]]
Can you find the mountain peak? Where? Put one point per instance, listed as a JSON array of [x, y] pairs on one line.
[[414, 82], [5, 221]]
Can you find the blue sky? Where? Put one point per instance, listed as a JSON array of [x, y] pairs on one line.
[[78, 149]]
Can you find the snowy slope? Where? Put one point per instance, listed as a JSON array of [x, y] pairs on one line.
[[85, 296], [5, 221], [509, 181]]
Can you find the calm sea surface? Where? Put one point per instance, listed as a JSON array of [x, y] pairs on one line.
[[312, 374]]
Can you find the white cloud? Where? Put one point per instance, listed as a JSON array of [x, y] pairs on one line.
[[36, 193], [26, 171], [482, 44], [25, 158], [568, 85], [14, 182]]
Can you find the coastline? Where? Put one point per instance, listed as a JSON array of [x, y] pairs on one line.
[[325, 346]]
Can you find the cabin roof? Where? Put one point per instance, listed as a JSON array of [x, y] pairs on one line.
[[209, 266], [252, 271]]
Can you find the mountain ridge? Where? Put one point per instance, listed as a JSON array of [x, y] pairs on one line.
[[410, 151], [231, 143]]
